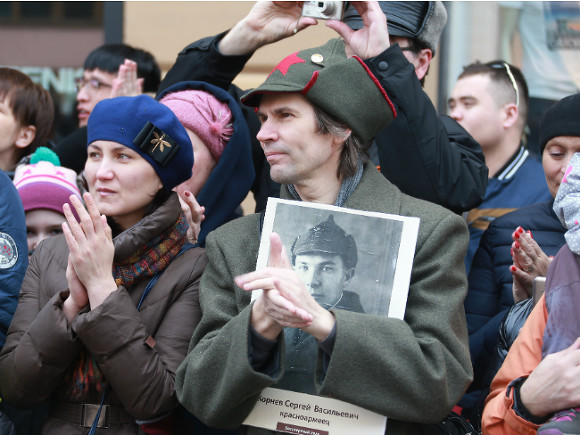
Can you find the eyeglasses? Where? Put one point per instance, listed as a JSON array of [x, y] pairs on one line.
[[93, 84], [511, 77], [410, 47]]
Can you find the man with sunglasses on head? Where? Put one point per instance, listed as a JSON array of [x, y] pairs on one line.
[[111, 70], [426, 156], [490, 100]]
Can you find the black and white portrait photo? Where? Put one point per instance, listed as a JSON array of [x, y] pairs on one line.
[[347, 259]]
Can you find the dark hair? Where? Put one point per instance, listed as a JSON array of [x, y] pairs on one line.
[[30, 103], [499, 73], [110, 57], [353, 149], [415, 46]]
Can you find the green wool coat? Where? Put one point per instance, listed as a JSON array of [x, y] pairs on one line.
[[412, 371]]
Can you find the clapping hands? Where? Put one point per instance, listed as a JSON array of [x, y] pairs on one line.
[[285, 300], [90, 262], [529, 261]]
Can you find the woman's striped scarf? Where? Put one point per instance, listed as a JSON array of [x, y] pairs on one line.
[[153, 257], [146, 262]]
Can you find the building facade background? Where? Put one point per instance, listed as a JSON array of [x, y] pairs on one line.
[[49, 40]]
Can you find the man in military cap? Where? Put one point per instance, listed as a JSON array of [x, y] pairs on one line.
[[317, 110], [425, 155], [325, 257]]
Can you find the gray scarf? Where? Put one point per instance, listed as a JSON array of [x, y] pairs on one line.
[[346, 188]]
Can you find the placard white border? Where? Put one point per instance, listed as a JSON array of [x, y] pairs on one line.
[[405, 254]]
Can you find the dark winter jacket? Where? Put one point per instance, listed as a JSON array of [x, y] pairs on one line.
[[13, 251], [521, 182]]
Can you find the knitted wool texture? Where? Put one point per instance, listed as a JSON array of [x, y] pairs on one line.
[[44, 185], [567, 204], [203, 114], [560, 120]]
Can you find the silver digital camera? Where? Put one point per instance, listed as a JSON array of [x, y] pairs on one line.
[[323, 10]]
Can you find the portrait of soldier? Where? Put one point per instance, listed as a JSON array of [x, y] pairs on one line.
[[325, 259]]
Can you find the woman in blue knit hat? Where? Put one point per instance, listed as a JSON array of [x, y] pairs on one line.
[[107, 310]]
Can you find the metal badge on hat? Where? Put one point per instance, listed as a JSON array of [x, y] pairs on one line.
[[156, 144], [317, 58]]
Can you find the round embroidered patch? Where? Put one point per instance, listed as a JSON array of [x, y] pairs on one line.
[[8, 251]]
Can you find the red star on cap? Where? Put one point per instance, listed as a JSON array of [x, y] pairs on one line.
[[287, 62]]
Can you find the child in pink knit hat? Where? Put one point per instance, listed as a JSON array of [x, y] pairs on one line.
[[44, 187]]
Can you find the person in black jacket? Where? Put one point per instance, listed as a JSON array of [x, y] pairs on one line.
[[427, 156]]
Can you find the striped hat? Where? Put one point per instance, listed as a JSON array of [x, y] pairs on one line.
[[44, 185]]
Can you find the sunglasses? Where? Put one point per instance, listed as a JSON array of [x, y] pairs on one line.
[[508, 71]]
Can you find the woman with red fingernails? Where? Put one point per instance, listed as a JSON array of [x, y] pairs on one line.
[[515, 249]]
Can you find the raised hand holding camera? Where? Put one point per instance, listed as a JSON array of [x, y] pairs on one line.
[[332, 10]]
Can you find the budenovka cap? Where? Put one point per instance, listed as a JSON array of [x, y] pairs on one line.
[[343, 87], [329, 239]]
